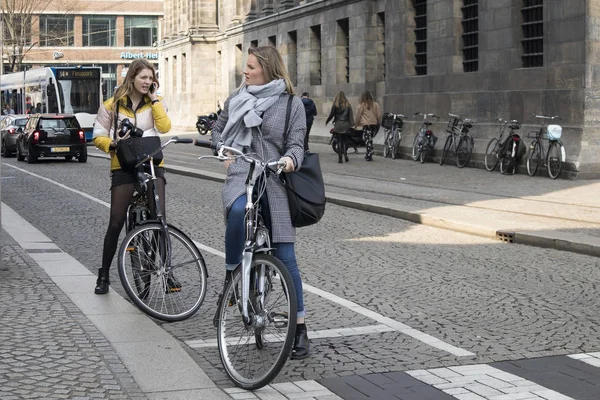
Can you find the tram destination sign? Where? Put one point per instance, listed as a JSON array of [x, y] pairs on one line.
[[78, 73]]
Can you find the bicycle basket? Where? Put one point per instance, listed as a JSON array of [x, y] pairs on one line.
[[554, 132], [452, 123], [387, 121]]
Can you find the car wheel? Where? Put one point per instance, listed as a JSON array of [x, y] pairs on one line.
[[82, 158], [29, 158], [4, 150], [20, 156], [68, 158]]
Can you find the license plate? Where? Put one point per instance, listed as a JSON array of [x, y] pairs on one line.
[[59, 149]]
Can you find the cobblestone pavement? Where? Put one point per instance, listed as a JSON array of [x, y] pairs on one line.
[[48, 348], [500, 302]]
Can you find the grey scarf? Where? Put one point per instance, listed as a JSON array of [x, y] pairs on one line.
[[245, 112]]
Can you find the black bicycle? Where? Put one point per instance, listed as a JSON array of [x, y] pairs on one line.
[[459, 141], [554, 157], [256, 313], [161, 269], [501, 149], [425, 140], [392, 126]]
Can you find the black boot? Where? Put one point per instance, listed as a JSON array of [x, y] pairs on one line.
[[102, 282], [301, 348], [346, 157]]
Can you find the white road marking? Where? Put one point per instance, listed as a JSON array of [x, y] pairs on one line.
[[481, 381], [399, 326], [588, 358]]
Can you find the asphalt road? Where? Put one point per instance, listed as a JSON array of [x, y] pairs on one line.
[[362, 270]]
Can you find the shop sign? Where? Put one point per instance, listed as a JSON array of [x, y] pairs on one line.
[[126, 55]]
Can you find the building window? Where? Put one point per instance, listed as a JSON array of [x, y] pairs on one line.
[[380, 44], [470, 35], [533, 33], [17, 30], [292, 54], [99, 31], [140, 31], [238, 65], [254, 43], [420, 36], [315, 55], [343, 53], [273, 41], [56, 30]]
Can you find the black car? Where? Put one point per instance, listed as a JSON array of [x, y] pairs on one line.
[[9, 131], [51, 135]]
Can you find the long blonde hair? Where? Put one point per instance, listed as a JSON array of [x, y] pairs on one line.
[[340, 100], [366, 98], [272, 65], [134, 69]]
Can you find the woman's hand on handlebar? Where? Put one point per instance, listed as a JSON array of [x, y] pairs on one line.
[[289, 163]]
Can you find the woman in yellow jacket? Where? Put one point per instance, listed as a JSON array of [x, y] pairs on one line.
[[136, 100]]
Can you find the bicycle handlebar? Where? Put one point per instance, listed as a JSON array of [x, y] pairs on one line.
[[277, 165], [174, 139], [545, 117], [426, 115]]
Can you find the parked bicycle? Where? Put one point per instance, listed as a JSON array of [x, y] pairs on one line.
[[554, 157], [256, 315], [504, 149], [425, 140], [458, 142], [161, 269], [392, 126]]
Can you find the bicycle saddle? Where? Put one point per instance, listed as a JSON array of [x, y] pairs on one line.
[[427, 123]]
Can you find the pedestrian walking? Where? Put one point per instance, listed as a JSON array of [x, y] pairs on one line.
[[368, 119], [136, 99], [341, 113], [311, 112], [253, 120]]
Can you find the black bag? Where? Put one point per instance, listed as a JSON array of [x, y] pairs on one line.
[[134, 149], [305, 187]]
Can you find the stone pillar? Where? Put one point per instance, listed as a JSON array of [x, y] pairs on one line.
[[78, 30]]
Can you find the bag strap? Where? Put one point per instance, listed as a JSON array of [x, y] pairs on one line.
[[288, 113], [116, 115]]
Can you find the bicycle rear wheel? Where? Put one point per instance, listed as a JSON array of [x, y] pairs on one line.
[[253, 354], [395, 144], [533, 158], [554, 160], [446, 149], [491, 154], [423, 149], [166, 285], [464, 151], [415, 148]]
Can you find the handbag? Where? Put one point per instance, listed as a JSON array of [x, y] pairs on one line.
[[305, 187], [134, 149]]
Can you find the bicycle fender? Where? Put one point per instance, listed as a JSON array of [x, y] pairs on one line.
[[264, 250]]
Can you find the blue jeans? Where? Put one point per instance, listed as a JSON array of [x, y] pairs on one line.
[[234, 245]]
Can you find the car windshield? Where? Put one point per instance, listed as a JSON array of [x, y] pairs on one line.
[[20, 122], [58, 123]]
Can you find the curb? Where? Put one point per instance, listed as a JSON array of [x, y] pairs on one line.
[[581, 244]]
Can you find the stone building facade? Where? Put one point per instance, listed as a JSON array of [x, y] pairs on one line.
[[481, 59]]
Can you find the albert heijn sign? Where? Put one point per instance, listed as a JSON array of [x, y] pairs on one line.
[[126, 55]]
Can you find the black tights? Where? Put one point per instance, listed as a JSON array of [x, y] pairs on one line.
[[119, 201]]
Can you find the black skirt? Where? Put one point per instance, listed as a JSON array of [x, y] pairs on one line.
[[120, 177]]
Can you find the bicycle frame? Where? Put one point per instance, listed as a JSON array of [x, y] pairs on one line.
[[258, 169]]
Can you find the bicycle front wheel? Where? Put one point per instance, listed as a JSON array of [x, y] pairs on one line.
[[386, 144], [554, 160], [167, 282], [415, 148], [533, 158], [395, 144], [464, 151], [446, 149], [491, 154], [254, 352]]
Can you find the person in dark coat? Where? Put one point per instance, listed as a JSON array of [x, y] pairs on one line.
[[311, 112], [253, 120], [341, 113]]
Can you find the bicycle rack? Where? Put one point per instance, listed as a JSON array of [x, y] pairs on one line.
[[507, 237]]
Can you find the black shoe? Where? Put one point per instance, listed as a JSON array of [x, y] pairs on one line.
[[173, 284], [369, 158], [102, 282], [340, 161], [301, 349], [347, 159]]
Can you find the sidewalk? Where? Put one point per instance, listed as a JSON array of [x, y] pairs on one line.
[[560, 214]]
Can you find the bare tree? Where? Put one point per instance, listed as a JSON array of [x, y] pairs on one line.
[[21, 21]]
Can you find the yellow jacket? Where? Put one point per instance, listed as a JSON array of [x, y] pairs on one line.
[[152, 119]]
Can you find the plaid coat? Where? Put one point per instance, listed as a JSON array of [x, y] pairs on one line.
[[274, 144]]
